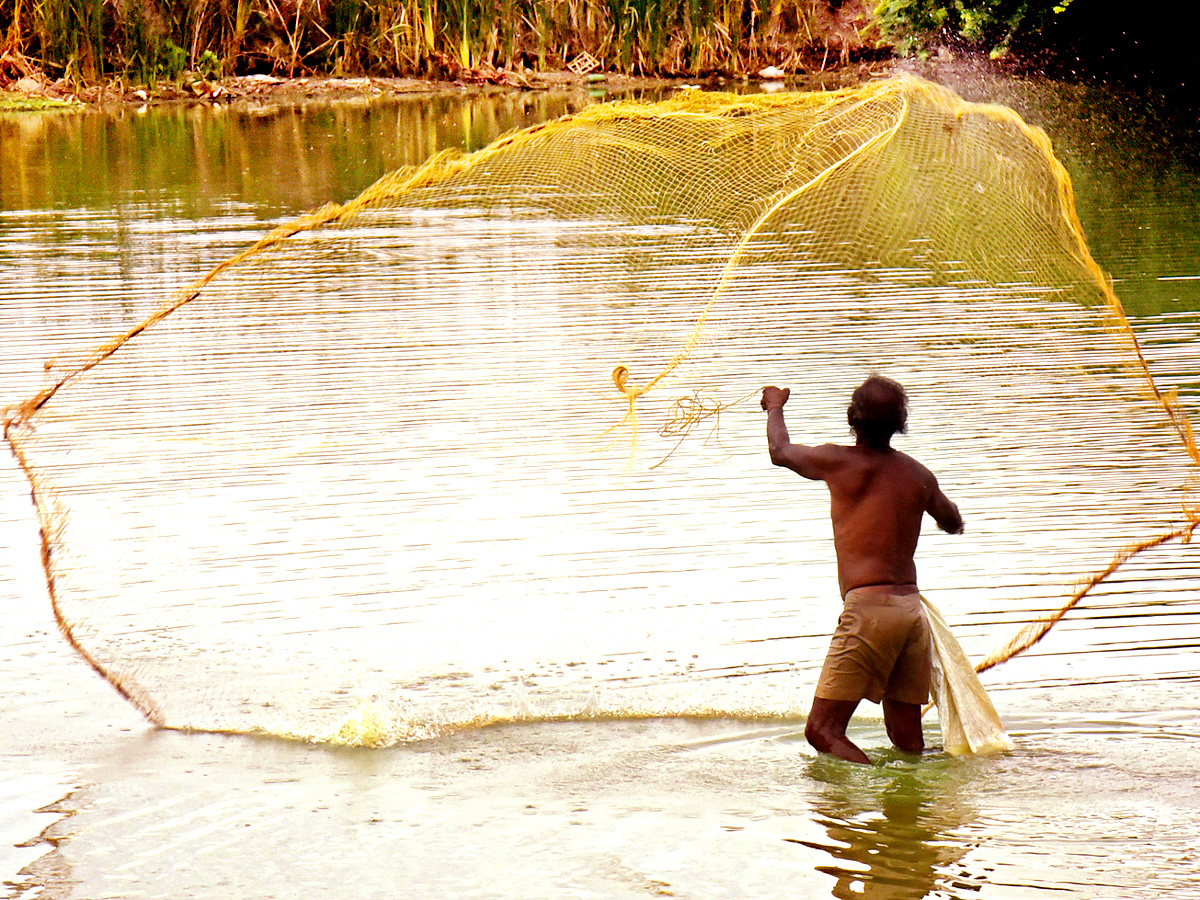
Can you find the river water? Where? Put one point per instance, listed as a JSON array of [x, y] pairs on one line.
[[646, 677]]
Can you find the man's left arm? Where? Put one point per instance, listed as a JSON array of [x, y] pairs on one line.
[[944, 511]]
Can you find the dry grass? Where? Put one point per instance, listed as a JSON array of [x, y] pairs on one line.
[[143, 40]]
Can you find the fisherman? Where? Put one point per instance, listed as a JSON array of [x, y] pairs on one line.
[[881, 649]]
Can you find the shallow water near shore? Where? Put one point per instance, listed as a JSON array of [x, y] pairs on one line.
[[101, 217]]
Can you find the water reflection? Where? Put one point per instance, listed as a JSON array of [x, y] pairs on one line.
[[196, 162], [895, 831]]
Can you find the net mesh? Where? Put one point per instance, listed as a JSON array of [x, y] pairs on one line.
[[482, 444]]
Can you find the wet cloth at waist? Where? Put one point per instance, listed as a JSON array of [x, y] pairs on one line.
[[881, 648]]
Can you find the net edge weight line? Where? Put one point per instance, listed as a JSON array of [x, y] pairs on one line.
[[439, 167], [140, 701], [16, 416]]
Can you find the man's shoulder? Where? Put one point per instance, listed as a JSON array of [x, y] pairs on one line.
[[894, 460], [907, 460], [916, 467], [822, 462], [835, 452]]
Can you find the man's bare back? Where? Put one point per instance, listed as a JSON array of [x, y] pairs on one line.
[[878, 497]]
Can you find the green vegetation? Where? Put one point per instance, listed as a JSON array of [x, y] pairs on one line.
[[914, 25], [22, 103], [144, 40]]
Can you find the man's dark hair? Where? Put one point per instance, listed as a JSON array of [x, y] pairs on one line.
[[878, 409]]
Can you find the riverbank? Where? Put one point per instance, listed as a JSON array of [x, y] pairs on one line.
[[247, 48], [33, 91]]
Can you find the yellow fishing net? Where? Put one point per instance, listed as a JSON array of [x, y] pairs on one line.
[[482, 444]]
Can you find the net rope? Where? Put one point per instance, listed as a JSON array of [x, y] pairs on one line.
[[725, 192]]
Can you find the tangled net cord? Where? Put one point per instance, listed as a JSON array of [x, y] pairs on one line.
[[685, 413]]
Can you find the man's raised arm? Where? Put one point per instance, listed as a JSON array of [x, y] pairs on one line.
[[810, 462]]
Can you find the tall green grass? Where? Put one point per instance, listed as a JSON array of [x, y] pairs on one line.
[[146, 40]]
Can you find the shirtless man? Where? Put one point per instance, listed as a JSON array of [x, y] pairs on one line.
[[881, 648]]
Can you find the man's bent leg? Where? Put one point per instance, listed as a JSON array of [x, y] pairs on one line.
[[903, 722], [826, 729]]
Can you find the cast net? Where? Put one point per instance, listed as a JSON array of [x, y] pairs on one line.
[[483, 444]]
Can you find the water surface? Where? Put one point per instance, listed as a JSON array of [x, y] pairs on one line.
[[721, 600]]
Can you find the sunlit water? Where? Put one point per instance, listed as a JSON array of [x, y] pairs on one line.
[[718, 603]]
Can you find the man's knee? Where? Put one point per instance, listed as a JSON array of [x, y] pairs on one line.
[[816, 735]]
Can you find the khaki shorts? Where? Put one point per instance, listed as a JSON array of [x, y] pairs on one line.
[[881, 648]]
